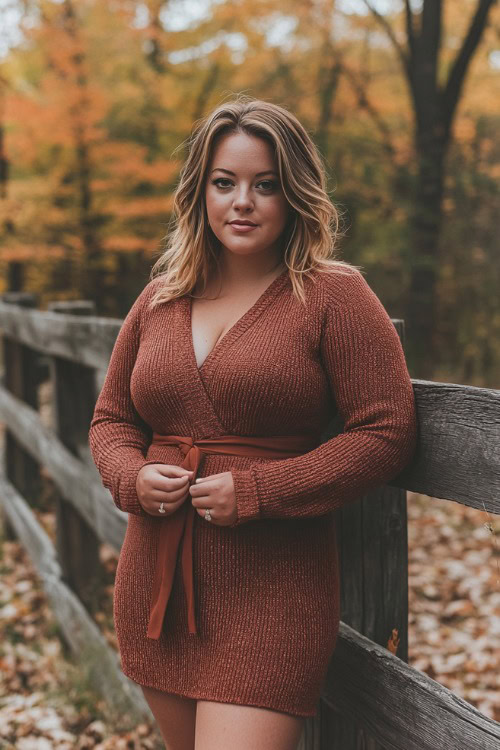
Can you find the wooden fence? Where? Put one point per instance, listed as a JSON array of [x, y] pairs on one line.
[[372, 698]]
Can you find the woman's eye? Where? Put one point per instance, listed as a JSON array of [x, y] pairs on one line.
[[224, 182], [268, 184], [221, 179]]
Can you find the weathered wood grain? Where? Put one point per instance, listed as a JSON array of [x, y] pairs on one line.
[[20, 378], [372, 542], [372, 698], [73, 401], [458, 452], [78, 482], [88, 340], [459, 425], [99, 662], [399, 706]]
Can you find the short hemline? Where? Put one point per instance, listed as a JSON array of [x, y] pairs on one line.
[[206, 697]]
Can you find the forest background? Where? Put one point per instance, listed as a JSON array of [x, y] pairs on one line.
[[97, 98], [402, 98]]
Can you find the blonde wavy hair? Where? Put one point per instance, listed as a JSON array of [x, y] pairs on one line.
[[310, 237]]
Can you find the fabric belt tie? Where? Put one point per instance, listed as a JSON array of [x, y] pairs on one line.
[[177, 528]]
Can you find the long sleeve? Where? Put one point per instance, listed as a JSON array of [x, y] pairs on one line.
[[364, 361], [118, 436]]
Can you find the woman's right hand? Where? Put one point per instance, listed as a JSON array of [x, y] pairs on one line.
[[162, 483]]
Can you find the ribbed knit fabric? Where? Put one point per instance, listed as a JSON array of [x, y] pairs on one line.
[[266, 588]]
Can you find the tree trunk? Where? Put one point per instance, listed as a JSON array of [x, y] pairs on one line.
[[435, 106], [425, 227], [90, 281]]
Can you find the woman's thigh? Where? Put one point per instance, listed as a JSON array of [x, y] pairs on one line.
[[225, 726], [175, 716]]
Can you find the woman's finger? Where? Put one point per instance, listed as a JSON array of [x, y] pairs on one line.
[[201, 496], [169, 484], [201, 490], [159, 496], [202, 502], [201, 513], [170, 470]]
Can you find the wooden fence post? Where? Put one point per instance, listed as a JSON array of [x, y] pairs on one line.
[[73, 399], [21, 378], [372, 537]]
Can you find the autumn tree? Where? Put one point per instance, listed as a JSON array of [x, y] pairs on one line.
[[87, 175], [435, 99], [100, 98]]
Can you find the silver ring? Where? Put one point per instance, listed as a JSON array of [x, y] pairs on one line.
[[161, 509], [207, 516]]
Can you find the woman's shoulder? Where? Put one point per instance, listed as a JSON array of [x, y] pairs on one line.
[[341, 284], [347, 299], [141, 307], [153, 284], [149, 291]]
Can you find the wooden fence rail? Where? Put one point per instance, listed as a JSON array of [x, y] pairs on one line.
[[372, 698]]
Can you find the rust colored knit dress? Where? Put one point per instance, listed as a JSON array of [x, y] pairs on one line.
[[267, 587]]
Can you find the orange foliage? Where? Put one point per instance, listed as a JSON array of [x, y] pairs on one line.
[[130, 244], [141, 206], [393, 642], [92, 120]]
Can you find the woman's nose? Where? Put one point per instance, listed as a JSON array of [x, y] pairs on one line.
[[243, 199]]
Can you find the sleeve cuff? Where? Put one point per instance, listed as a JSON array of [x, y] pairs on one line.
[[247, 501], [128, 501]]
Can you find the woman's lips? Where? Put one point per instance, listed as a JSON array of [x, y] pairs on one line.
[[243, 227]]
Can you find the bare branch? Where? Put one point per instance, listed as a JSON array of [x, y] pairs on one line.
[[402, 53], [459, 68], [410, 29], [366, 104], [207, 87]]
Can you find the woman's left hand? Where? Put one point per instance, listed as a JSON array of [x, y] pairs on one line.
[[215, 492]]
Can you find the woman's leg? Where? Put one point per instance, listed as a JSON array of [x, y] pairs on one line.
[[225, 726], [175, 716]]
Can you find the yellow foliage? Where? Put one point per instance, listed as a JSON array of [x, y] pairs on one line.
[[127, 243], [465, 129], [91, 115], [29, 253], [129, 208]]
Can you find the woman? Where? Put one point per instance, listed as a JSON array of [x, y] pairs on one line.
[[248, 339]]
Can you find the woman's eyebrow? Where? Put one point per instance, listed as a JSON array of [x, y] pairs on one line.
[[258, 174]]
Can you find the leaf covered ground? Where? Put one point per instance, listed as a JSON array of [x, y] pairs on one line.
[[454, 633], [45, 703], [454, 598]]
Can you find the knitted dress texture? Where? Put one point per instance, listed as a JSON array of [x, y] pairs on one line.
[[267, 587]]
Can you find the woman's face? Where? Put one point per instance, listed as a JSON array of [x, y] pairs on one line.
[[243, 185]]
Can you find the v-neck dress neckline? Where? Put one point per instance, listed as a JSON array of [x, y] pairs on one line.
[[236, 329]]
